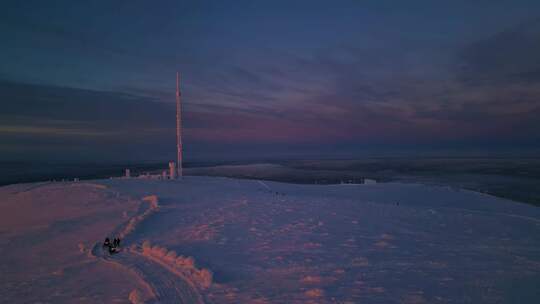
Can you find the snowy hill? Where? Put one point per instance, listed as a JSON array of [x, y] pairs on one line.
[[221, 240]]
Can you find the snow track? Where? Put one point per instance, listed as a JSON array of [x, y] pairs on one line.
[[165, 285]]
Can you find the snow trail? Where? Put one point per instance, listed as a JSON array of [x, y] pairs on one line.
[[165, 285]]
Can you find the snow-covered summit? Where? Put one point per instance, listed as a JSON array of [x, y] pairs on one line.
[[221, 240]]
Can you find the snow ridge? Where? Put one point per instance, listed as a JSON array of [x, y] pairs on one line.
[[153, 206], [180, 265]]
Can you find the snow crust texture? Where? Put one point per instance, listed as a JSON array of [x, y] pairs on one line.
[[220, 240]]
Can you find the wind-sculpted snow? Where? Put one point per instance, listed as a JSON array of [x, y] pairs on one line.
[[135, 297], [153, 206], [183, 266], [268, 242], [222, 240]]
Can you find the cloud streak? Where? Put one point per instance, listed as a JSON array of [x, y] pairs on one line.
[[253, 77]]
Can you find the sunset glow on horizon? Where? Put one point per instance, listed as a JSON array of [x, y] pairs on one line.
[[370, 76]]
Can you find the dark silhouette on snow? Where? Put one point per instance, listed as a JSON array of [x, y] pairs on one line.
[[112, 246], [107, 242]]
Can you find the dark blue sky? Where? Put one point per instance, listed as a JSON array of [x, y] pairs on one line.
[[94, 80]]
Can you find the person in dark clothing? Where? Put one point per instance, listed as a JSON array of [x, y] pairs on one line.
[[107, 242], [118, 242]]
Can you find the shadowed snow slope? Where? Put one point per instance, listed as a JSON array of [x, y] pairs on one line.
[[245, 241]]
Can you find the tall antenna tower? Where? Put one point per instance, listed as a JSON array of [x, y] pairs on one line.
[[178, 127]]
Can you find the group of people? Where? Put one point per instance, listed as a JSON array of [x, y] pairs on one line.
[[113, 246]]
